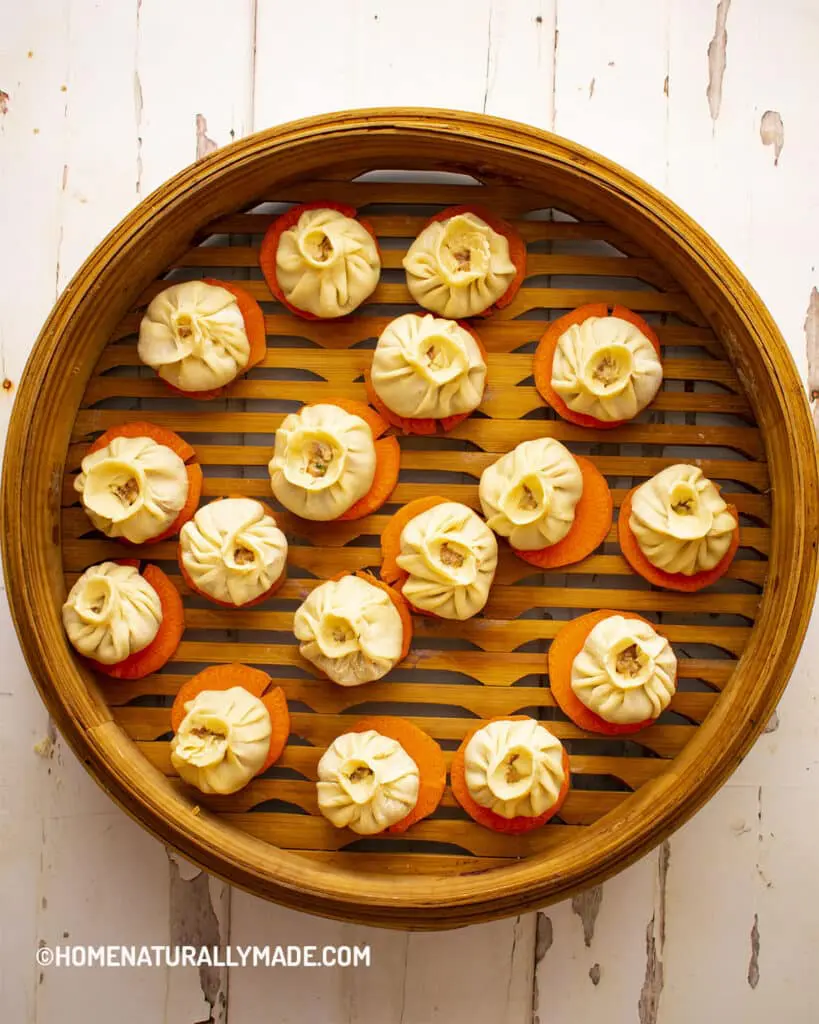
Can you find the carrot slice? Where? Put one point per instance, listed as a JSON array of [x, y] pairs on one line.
[[391, 538], [517, 248], [377, 424], [483, 815], [270, 247], [163, 647], [276, 703], [670, 580], [426, 754], [545, 354], [563, 650], [141, 428], [387, 468], [592, 522], [422, 426], [226, 604], [225, 677]]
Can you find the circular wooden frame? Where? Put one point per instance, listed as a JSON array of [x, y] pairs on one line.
[[148, 240]]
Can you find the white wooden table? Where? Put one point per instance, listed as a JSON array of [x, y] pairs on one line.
[[713, 102]]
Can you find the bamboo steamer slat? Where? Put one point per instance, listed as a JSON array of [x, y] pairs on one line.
[[732, 401]]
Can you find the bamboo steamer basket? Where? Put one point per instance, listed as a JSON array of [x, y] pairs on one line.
[[732, 400]]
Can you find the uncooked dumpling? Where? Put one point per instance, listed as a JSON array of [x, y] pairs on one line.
[[515, 768], [530, 494], [450, 555], [133, 488], [193, 334], [327, 263], [367, 782], [626, 672], [605, 367], [350, 629], [111, 613], [459, 267], [428, 368], [232, 550], [223, 740], [680, 521], [323, 462]]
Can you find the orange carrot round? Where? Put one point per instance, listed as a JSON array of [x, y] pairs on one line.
[[545, 354], [563, 650], [387, 468], [163, 647], [517, 247], [426, 754], [390, 571], [483, 815], [429, 425], [142, 428], [592, 522], [270, 247], [163, 436], [377, 424], [670, 580], [225, 677]]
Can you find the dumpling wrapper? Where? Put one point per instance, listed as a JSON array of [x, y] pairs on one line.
[[223, 740], [626, 672], [233, 550], [515, 768], [323, 462], [111, 612], [367, 782], [350, 630], [530, 494], [450, 555], [680, 521], [327, 263], [428, 368], [459, 267], [606, 368], [133, 488], [193, 334]]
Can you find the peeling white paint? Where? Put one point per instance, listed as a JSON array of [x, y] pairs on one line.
[[772, 132], [717, 59], [811, 328], [587, 906], [753, 964], [194, 922], [204, 145], [648, 1006]]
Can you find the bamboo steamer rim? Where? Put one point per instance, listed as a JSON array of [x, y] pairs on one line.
[[108, 283]]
